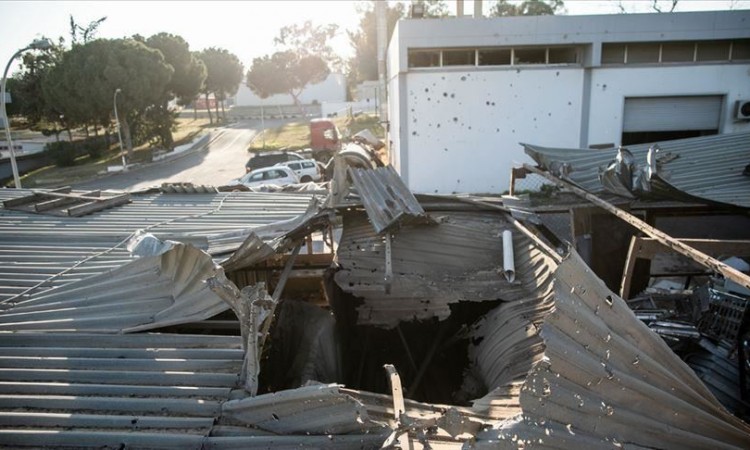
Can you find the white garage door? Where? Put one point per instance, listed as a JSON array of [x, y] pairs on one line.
[[672, 113]]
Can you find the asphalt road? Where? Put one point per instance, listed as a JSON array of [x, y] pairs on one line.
[[222, 160]]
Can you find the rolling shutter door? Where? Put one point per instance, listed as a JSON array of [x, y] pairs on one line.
[[672, 113]]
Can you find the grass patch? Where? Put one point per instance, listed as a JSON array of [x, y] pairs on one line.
[[291, 136], [296, 135]]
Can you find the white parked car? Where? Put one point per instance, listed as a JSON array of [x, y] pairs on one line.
[[307, 169], [278, 175]]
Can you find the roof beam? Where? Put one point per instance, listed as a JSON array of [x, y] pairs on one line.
[[668, 241]]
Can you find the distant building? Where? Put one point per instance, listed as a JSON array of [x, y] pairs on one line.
[[332, 89], [464, 92]]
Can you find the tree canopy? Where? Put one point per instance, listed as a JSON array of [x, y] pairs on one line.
[[364, 65], [223, 73], [526, 8], [82, 85], [434, 8], [189, 71], [285, 73], [309, 40]]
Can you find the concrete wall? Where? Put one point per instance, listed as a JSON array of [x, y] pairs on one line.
[[340, 109], [458, 129], [333, 89], [463, 127], [610, 87]]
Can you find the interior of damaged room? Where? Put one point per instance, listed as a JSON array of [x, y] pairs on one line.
[[601, 303]]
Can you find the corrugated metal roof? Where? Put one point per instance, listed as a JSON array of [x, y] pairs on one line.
[[55, 251], [708, 168], [149, 292], [605, 379], [315, 409], [386, 198], [459, 259], [504, 345], [164, 215], [146, 390]]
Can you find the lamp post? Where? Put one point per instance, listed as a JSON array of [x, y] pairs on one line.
[[38, 44], [119, 134]]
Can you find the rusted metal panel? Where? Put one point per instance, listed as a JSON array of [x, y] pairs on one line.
[[386, 198]]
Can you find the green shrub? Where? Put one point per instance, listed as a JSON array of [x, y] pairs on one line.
[[63, 153]]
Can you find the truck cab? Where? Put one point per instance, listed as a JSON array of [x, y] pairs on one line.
[[325, 138]]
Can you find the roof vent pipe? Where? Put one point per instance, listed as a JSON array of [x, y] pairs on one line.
[[509, 264]]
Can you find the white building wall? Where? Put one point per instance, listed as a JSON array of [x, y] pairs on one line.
[[463, 128], [561, 107], [610, 87], [332, 89]]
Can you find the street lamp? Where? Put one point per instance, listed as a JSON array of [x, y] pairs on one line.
[[38, 44], [119, 134]]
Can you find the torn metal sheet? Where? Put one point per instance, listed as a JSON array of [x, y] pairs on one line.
[[703, 169], [505, 344], [459, 259], [261, 243], [705, 260], [606, 379], [150, 292], [387, 200], [314, 409], [43, 252], [252, 306]]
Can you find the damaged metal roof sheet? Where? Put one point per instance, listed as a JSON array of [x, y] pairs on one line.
[[459, 259], [48, 262], [168, 216], [314, 409], [113, 391], [47, 252], [605, 379], [256, 245], [386, 198], [703, 169], [165, 287]]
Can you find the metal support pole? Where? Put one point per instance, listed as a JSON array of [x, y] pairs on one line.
[[119, 134], [8, 138]]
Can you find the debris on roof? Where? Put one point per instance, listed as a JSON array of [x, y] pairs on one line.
[[488, 336], [154, 291], [314, 409], [386, 198], [65, 203], [459, 259], [706, 169], [606, 379]]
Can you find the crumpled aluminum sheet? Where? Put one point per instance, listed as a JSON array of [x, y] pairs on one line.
[[605, 379], [150, 292]]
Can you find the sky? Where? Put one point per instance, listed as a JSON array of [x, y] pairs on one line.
[[246, 29]]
